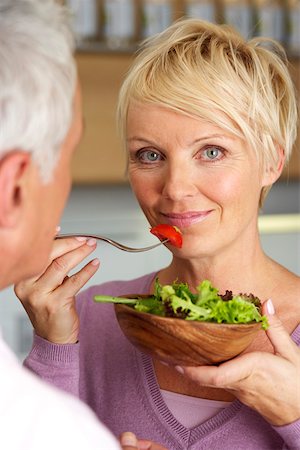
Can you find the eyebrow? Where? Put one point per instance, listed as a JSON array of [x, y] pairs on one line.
[[213, 136], [196, 141]]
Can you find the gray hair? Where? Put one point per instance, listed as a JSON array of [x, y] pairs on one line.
[[37, 79]]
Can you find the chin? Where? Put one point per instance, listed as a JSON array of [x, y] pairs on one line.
[[191, 251]]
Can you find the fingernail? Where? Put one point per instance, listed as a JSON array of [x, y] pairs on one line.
[[128, 439], [95, 262], [91, 242], [57, 229], [179, 369], [80, 238], [270, 307]]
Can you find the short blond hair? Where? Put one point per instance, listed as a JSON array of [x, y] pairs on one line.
[[210, 71]]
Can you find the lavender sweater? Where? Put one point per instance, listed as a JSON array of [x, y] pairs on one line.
[[120, 385]]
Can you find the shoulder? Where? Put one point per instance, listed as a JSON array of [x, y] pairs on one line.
[[74, 423], [288, 288], [286, 293]]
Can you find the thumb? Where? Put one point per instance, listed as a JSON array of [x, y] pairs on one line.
[[277, 334], [128, 441]]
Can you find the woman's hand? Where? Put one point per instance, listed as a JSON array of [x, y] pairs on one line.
[[130, 442], [49, 299], [268, 383]]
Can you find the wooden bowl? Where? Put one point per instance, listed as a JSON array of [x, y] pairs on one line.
[[184, 342]]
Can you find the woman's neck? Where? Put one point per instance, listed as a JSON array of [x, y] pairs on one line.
[[236, 271]]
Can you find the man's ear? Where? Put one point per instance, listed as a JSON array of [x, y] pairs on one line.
[[273, 172], [12, 170]]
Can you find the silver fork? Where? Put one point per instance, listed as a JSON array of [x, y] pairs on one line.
[[114, 243]]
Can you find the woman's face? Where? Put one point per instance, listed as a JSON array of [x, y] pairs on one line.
[[187, 172]]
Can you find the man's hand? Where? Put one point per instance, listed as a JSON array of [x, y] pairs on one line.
[[49, 299]]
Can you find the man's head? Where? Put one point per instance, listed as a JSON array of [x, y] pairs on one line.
[[40, 125]]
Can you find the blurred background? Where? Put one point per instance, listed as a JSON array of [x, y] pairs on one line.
[[108, 33]]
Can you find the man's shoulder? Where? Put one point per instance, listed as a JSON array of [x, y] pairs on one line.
[[39, 412]]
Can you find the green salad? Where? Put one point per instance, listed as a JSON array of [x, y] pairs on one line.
[[177, 301]]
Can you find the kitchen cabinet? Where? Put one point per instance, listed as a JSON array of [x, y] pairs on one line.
[[100, 158]]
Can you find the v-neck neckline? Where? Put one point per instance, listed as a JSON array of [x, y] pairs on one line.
[[187, 435]]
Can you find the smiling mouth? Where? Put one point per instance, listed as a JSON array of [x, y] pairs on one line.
[[184, 220]]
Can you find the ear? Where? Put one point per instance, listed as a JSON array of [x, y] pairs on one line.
[[272, 173], [12, 169]]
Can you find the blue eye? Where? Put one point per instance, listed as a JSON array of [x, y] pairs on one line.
[[213, 153], [149, 156]]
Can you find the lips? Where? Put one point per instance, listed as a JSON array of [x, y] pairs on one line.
[[184, 220]]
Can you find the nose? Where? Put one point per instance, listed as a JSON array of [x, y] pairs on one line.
[[178, 182]]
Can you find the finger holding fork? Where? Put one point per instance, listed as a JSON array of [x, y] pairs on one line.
[[49, 299]]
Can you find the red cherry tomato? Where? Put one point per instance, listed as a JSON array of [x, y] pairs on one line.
[[165, 231]]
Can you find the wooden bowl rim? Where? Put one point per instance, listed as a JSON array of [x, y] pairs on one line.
[[130, 309], [131, 321]]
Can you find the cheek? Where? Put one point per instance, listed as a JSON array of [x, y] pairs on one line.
[[64, 183], [57, 198], [141, 185], [238, 182], [147, 194], [235, 189], [229, 188], [67, 186]]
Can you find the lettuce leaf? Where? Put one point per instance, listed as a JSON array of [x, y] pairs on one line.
[[207, 304], [176, 300]]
